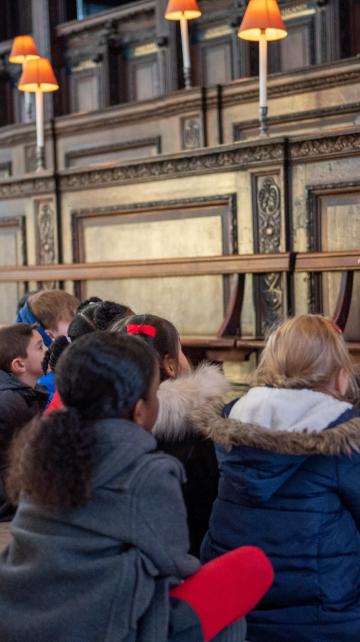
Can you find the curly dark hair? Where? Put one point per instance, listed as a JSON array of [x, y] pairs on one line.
[[100, 376], [92, 314], [53, 353], [89, 301]]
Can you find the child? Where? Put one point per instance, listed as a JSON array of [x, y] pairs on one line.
[[52, 311], [21, 354], [92, 314], [179, 393], [290, 483], [100, 533]]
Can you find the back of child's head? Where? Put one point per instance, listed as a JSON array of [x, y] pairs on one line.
[[156, 331], [92, 314], [96, 315], [52, 306], [306, 351], [100, 376], [14, 342], [103, 375]]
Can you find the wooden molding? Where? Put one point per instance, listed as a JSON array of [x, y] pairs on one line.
[[234, 264]]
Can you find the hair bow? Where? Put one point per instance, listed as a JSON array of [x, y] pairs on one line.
[[134, 328]]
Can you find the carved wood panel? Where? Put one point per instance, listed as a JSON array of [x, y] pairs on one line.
[[268, 288], [46, 236]]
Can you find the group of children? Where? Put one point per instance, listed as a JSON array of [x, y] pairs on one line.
[[147, 511]]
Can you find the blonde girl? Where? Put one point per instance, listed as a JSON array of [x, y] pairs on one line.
[[290, 483]]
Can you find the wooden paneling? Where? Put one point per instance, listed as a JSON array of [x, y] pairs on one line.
[[216, 62], [297, 50], [139, 232], [85, 91], [143, 78], [12, 253], [334, 225]]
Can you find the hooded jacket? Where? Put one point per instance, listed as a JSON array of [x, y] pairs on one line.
[[18, 404], [292, 487], [101, 572], [177, 436]]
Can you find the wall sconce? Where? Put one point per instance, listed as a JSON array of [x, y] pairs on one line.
[[22, 50], [262, 22], [184, 10], [38, 77]]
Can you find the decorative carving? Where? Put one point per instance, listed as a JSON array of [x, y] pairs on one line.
[[191, 132], [327, 146], [267, 235], [272, 293], [45, 236], [26, 187], [45, 220], [152, 169]]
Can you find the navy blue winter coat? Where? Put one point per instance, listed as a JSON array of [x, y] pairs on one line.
[[296, 495]]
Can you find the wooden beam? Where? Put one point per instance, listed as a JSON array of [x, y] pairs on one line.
[[327, 261], [197, 266]]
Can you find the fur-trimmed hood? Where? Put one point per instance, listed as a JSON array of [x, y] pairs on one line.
[[344, 439], [179, 397], [260, 461]]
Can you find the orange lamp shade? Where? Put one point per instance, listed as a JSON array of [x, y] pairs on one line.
[[177, 9], [38, 75], [262, 20], [23, 49]]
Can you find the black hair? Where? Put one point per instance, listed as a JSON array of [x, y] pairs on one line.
[[100, 376], [89, 301], [53, 353], [166, 340], [92, 314]]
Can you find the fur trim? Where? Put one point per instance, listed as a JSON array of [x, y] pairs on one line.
[[229, 433], [179, 397]]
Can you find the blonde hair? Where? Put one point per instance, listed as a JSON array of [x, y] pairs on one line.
[[52, 306], [307, 351]]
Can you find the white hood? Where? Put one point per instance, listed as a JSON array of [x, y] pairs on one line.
[[179, 397], [292, 410]]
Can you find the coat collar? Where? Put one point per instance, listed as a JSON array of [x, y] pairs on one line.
[[179, 397], [230, 433]]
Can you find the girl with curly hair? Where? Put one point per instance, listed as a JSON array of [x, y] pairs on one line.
[[100, 533], [92, 314]]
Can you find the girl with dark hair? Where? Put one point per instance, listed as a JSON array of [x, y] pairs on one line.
[[100, 533], [180, 392], [92, 314]]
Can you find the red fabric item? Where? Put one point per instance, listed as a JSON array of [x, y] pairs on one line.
[[55, 404], [227, 588], [135, 328]]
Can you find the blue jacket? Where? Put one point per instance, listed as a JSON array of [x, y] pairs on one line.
[[296, 495]]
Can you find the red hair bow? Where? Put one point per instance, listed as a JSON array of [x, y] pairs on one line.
[[134, 328]]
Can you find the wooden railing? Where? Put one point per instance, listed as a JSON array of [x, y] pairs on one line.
[[226, 344]]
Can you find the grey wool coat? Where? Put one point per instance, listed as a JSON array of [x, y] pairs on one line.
[[100, 573]]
